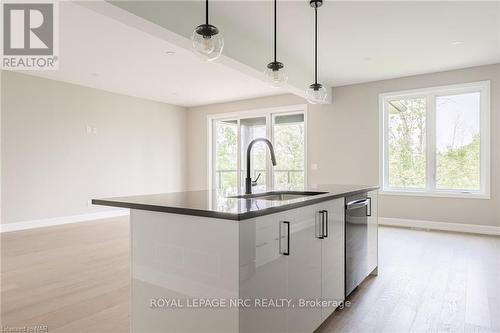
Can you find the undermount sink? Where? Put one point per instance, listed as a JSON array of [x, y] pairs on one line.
[[277, 195]]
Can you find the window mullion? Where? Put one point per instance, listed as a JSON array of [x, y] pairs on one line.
[[386, 145], [431, 143], [239, 159]]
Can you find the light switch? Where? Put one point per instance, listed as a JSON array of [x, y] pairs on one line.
[[314, 166]]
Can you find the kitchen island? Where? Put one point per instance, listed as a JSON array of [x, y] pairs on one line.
[[208, 261]]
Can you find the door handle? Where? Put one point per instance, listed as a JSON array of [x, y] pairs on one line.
[[287, 228]]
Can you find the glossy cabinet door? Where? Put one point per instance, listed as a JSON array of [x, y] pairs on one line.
[[263, 273], [286, 256], [372, 231], [304, 269], [182, 257], [332, 257]]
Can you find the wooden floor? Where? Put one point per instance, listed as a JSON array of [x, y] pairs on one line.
[[72, 278], [427, 282], [75, 278]]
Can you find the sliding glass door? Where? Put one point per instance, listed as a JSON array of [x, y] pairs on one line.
[[250, 129], [231, 136], [225, 153], [289, 146]]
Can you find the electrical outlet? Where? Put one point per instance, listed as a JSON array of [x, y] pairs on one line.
[[314, 166], [89, 203]]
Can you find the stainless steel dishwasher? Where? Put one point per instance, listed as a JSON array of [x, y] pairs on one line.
[[358, 240]]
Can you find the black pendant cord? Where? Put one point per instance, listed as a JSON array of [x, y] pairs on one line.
[[316, 45], [206, 11], [275, 30]]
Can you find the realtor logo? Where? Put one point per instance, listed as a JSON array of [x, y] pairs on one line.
[[29, 32]]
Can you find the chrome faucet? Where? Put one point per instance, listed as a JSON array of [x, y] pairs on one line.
[[248, 181]]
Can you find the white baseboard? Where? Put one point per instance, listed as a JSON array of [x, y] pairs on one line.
[[443, 226], [16, 226]]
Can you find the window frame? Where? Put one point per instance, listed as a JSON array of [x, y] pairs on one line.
[[430, 94], [269, 114]]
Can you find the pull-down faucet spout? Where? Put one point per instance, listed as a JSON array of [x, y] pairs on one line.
[[248, 179]]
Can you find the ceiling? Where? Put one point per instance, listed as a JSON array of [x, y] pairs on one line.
[[109, 55], [125, 47], [359, 41]]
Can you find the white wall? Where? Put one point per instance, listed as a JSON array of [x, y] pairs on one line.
[[343, 141], [51, 166]]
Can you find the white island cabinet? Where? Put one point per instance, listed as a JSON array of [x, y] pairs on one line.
[[190, 272]]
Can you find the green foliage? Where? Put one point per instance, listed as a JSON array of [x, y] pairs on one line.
[[227, 148], [459, 168], [456, 167], [226, 154], [407, 157], [289, 148]]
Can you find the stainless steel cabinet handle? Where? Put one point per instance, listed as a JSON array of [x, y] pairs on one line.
[[287, 251], [357, 204]]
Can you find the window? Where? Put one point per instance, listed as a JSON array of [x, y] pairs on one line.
[[231, 134], [436, 141]]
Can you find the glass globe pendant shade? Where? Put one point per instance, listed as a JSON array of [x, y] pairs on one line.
[[276, 74], [207, 42], [316, 93]]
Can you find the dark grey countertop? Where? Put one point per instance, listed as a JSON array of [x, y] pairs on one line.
[[217, 204]]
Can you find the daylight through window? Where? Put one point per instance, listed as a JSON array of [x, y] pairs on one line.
[[436, 140], [231, 136]]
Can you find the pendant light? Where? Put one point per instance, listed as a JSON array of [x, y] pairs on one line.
[[275, 71], [316, 93], [207, 41]]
